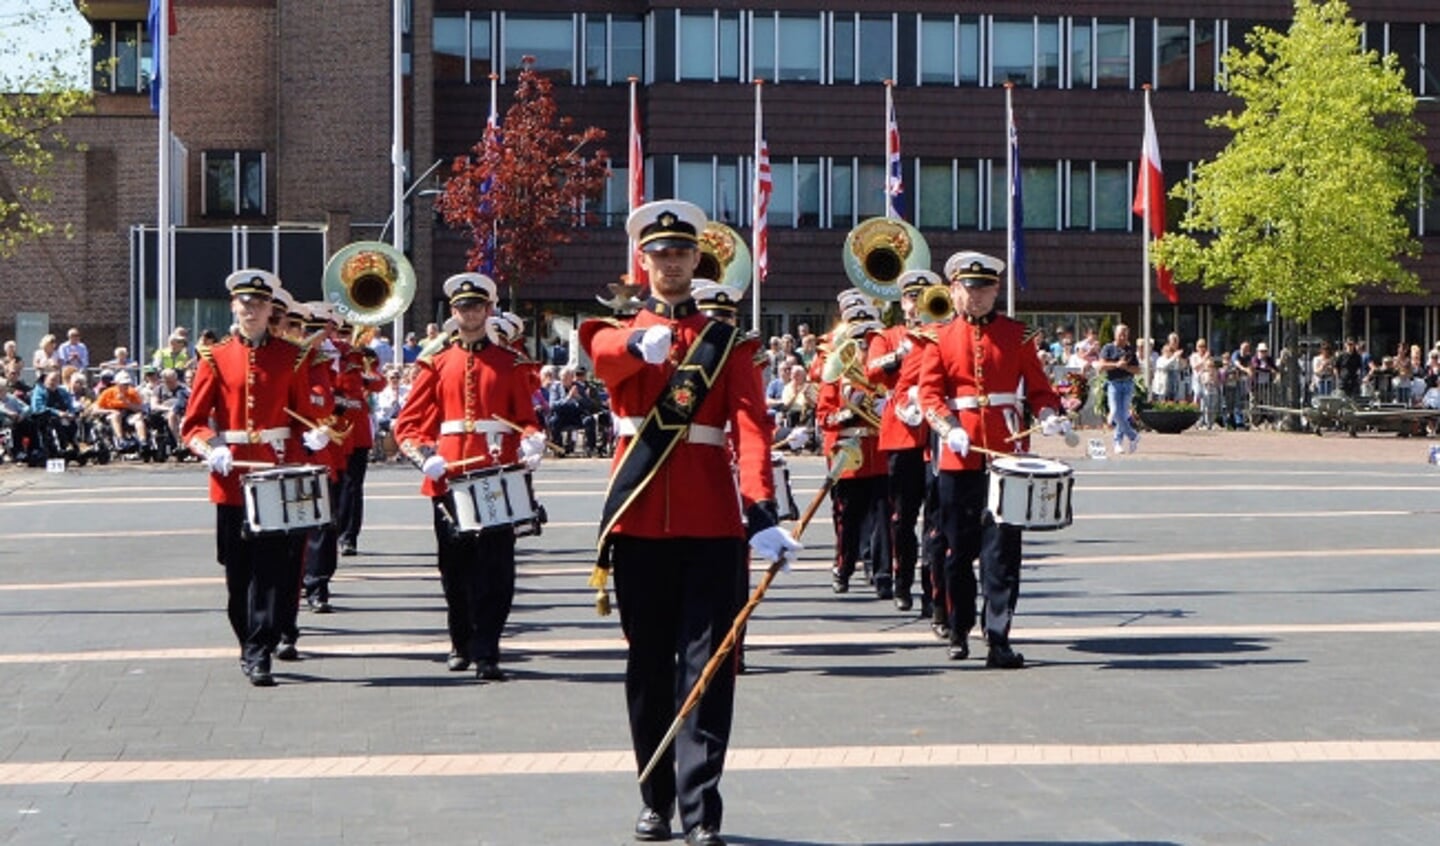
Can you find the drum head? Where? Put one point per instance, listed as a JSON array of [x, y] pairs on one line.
[[1029, 465]]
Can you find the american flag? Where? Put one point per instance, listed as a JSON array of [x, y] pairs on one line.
[[894, 173], [763, 187]]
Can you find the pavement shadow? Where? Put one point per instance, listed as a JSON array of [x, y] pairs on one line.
[[1173, 653]]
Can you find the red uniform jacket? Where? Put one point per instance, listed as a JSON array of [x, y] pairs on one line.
[[692, 494], [980, 365], [830, 402], [244, 389], [461, 389], [353, 387], [898, 379]]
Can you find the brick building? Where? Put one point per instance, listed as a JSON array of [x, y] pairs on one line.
[[283, 113]]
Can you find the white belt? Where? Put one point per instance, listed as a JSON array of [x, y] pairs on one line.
[[972, 401], [696, 433], [856, 432], [263, 436], [462, 427]]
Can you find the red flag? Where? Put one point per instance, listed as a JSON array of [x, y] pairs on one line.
[[1150, 192], [637, 183], [763, 187]]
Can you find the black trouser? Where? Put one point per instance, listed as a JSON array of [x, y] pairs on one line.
[[477, 573], [971, 531], [856, 505], [289, 613], [350, 497], [678, 597], [322, 552], [933, 544], [260, 579], [907, 496]]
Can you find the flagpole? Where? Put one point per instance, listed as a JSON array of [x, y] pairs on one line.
[[492, 123], [397, 161], [164, 283], [1009, 205], [1145, 256], [754, 207]]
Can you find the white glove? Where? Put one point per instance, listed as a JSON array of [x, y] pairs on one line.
[[798, 438], [221, 460], [904, 349], [315, 439], [1053, 424], [776, 544], [434, 467], [958, 442], [655, 344], [532, 449]]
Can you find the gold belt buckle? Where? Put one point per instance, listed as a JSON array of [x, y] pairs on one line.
[[469, 425], [253, 435], [982, 400]]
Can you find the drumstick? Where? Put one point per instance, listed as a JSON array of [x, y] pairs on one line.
[[255, 465], [335, 435], [1071, 439], [450, 465], [559, 450]]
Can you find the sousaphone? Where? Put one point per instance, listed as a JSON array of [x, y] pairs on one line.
[[368, 283], [878, 250]]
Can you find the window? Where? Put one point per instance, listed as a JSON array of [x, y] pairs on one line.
[[842, 194], [870, 189], [696, 50], [1078, 205], [1112, 54], [936, 205], [695, 181], [1040, 187], [762, 46], [799, 61], [1172, 54], [550, 39], [615, 204], [1403, 41], [842, 51], [1012, 52], [1082, 71], [937, 51], [481, 48], [1047, 53], [123, 62], [1430, 70], [807, 194], [969, 63], [1206, 55], [448, 45], [876, 62], [782, 193], [712, 183], [614, 49], [967, 195], [234, 184], [1112, 196]]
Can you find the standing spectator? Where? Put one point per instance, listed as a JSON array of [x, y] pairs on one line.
[[12, 353], [1089, 346], [809, 347], [46, 357], [383, 349], [1241, 362], [74, 353], [175, 356], [1119, 362], [1265, 373], [1168, 368], [410, 350], [122, 361], [1322, 370], [1349, 368]]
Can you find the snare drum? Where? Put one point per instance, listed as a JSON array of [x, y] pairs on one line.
[[1029, 492], [784, 496], [286, 499], [495, 499]]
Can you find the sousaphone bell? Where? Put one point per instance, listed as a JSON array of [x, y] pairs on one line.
[[724, 257], [368, 283], [878, 250]]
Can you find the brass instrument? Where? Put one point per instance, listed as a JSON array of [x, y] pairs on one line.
[[934, 305], [724, 258], [878, 250], [368, 283], [843, 362]]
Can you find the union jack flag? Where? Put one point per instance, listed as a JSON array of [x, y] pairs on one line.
[[894, 172]]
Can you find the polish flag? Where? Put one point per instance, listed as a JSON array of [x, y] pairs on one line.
[[1150, 196]]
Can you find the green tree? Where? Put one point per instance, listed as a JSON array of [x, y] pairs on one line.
[[1308, 201], [37, 95]]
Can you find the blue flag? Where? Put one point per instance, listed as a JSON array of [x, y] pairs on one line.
[[1017, 210], [152, 25]]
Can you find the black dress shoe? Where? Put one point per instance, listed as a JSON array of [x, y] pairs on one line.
[[838, 583], [457, 663], [884, 589], [259, 674], [1004, 658], [286, 651], [703, 835], [650, 826], [347, 549], [940, 630], [490, 671], [903, 602], [959, 649]]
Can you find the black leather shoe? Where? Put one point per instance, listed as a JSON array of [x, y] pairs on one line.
[[940, 630], [319, 603], [959, 648], [703, 835], [490, 671], [457, 663], [1004, 658], [884, 589], [838, 583], [286, 651], [347, 549], [650, 826], [903, 602], [259, 674], [927, 608]]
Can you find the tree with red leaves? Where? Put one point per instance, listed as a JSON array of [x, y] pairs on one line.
[[523, 188]]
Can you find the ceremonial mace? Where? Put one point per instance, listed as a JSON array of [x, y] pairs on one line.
[[847, 456]]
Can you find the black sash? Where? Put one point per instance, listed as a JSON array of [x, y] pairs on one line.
[[666, 424]]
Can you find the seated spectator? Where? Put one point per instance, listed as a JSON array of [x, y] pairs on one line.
[[15, 427], [122, 361], [53, 411], [121, 403], [168, 398], [12, 353], [388, 402], [797, 400], [13, 374], [410, 350], [775, 390], [46, 356], [573, 407]]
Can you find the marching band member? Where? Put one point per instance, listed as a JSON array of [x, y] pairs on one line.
[[671, 526], [244, 384], [356, 380], [322, 550], [287, 321], [846, 408], [969, 380], [448, 423], [894, 362]]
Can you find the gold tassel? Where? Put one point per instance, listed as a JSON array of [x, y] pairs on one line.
[[599, 578]]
